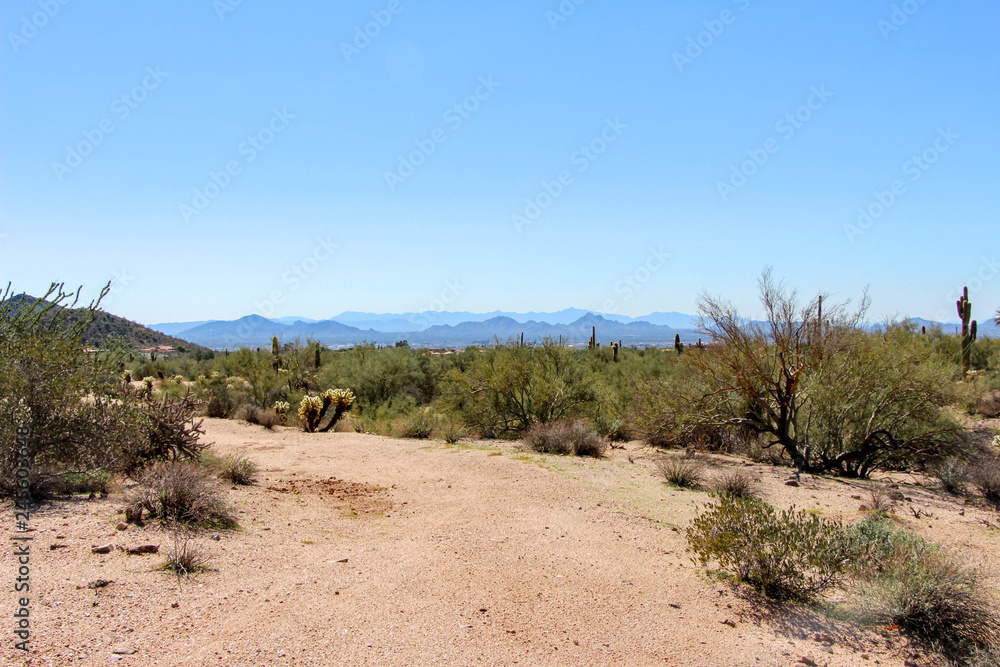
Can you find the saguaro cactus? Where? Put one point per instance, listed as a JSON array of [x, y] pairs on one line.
[[593, 338], [678, 345], [969, 329]]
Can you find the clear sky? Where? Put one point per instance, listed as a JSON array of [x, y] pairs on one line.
[[218, 158]]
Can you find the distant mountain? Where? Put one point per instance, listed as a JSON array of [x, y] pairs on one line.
[[174, 328], [294, 319], [256, 331], [986, 327]]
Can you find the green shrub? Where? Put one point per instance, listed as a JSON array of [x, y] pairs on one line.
[[916, 585], [180, 492], [953, 473], [566, 437], [784, 555], [452, 431], [682, 473], [420, 424], [988, 481], [507, 388]]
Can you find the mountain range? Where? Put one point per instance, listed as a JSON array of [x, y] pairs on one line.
[[454, 329], [457, 329]]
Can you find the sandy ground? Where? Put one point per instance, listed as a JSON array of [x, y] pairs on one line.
[[363, 550]]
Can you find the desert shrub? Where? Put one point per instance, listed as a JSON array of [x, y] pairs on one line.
[[237, 469], [682, 473], [180, 492], [219, 397], [988, 481], [267, 418], [573, 436], [916, 585], [615, 429], [953, 474], [736, 484], [879, 500], [784, 555], [452, 431], [507, 388], [420, 424]]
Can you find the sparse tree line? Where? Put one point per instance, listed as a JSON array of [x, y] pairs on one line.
[[805, 384]]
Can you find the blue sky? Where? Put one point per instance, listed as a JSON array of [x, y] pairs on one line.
[[218, 158]]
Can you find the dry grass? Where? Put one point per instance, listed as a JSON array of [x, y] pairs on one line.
[[682, 473], [566, 437], [736, 483], [180, 493]]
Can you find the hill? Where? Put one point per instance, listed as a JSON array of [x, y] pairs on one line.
[[106, 327]]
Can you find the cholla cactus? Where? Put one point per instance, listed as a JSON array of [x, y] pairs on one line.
[[311, 411], [281, 409], [127, 377], [340, 399]]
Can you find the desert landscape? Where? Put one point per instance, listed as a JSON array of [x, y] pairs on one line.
[[552, 333]]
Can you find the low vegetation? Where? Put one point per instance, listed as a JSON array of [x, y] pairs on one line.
[[566, 437]]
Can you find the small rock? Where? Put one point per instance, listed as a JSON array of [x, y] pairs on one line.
[[99, 583], [806, 660], [143, 549], [791, 482], [215, 536], [823, 638], [826, 649], [175, 604], [106, 549], [122, 526], [728, 622], [675, 606], [122, 650], [864, 656], [910, 663], [342, 560], [53, 547]]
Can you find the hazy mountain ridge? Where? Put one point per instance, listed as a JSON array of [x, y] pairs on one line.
[[459, 329]]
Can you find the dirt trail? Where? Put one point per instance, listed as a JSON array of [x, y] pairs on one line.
[[454, 555]]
